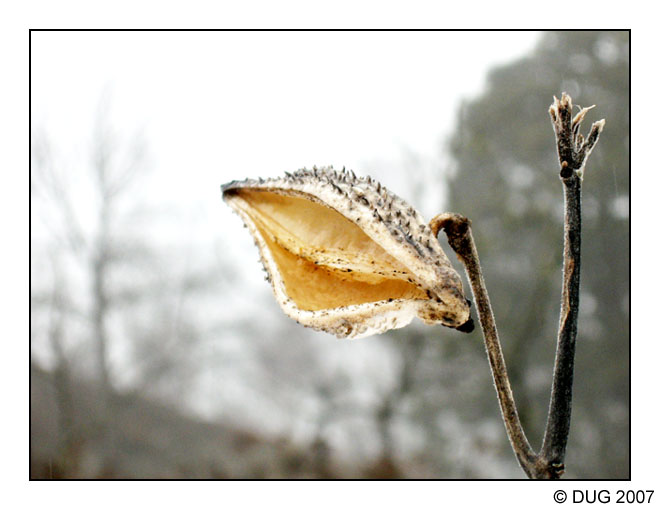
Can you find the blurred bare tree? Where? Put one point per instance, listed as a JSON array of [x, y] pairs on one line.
[[97, 277]]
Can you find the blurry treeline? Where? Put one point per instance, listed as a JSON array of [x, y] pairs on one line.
[[132, 334]]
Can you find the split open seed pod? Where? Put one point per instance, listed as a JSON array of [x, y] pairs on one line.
[[345, 255]]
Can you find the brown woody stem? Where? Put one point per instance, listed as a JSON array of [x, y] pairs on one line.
[[459, 235], [573, 150]]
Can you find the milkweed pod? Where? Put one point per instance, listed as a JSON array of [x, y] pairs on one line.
[[345, 255]]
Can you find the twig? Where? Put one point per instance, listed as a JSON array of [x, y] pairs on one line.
[[459, 235], [573, 152]]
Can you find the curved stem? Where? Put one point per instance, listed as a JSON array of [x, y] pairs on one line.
[[459, 235]]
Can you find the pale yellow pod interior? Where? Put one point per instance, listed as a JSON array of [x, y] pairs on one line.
[[325, 260]]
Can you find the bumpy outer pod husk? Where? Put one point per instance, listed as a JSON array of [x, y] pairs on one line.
[[347, 256]]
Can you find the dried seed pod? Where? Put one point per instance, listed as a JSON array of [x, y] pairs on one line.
[[336, 265]]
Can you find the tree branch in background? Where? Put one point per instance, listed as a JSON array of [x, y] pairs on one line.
[[573, 150]]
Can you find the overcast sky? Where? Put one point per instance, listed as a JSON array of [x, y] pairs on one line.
[[217, 106]]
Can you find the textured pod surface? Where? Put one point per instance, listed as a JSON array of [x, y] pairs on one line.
[[345, 255]]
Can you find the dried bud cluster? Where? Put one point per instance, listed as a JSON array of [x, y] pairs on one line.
[[345, 255], [572, 147]]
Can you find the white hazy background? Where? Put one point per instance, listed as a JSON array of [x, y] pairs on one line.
[[216, 106]]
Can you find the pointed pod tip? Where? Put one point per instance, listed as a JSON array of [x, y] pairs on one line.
[[466, 327]]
